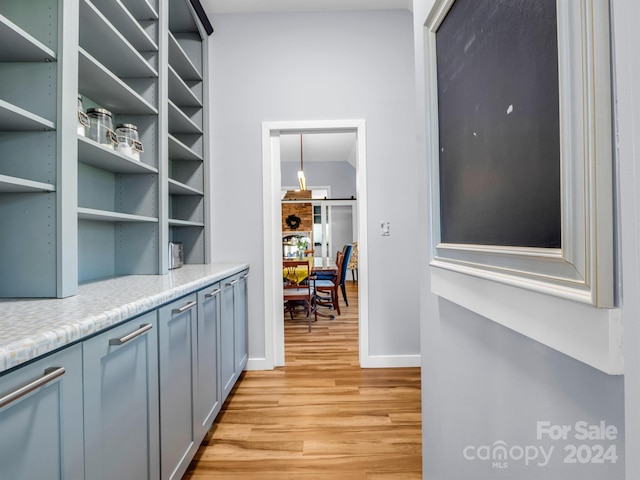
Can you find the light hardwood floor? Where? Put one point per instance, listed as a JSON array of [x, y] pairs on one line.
[[319, 417]]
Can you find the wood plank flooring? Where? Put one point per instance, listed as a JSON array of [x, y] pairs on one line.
[[320, 416]]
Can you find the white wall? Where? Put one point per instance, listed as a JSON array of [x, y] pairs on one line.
[[484, 384], [319, 66]]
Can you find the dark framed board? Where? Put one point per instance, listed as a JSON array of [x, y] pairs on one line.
[[520, 147], [498, 116]]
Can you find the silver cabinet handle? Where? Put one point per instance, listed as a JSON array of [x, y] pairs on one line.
[[246, 275], [232, 282], [213, 294], [50, 374], [185, 308], [145, 327]]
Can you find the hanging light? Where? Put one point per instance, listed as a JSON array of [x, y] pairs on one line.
[[301, 180]]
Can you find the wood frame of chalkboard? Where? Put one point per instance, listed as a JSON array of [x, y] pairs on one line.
[[582, 267]]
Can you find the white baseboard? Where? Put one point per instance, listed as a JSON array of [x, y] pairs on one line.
[[372, 361], [259, 364], [390, 361]]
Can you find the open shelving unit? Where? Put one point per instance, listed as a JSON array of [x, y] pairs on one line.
[[29, 140], [73, 210], [117, 70], [187, 147]]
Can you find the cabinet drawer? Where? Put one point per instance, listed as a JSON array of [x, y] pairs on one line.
[[41, 419], [177, 349], [121, 401]]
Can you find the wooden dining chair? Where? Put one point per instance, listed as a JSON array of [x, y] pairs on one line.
[[299, 288], [330, 287]]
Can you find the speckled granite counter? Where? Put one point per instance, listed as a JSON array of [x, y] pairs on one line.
[[32, 327]]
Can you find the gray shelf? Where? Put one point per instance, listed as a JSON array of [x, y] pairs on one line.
[[23, 47], [106, 216], [178, 188], [180, 18], [179, 122], [102, 40], [179, 151], [125, 22], [141, 9], [179, 91], [16, 119], [184, 223], [96, 155], [181, 62], [20, 185], [98, 83]]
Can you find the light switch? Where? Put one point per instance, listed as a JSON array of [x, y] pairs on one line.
[[385, 229]]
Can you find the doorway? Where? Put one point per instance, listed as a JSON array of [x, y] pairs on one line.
[[274, 318]]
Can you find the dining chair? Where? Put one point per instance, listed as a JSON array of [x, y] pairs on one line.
[[330, 287], [299, 288], [346, 252]]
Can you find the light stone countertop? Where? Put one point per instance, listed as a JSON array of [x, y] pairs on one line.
[[30, 328]]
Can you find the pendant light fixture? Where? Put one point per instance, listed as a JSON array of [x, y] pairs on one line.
[[301, 180]]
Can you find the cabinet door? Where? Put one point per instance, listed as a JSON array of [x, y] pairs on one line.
[[177, 350], [41, 419], [208, 391], [240, 321], [227, 338], [121, 401]]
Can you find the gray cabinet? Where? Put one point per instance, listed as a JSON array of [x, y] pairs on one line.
[[121, 415], [41, 419], [233, 330], [241, 353], [177, 336], [208, 390], [134, 401]]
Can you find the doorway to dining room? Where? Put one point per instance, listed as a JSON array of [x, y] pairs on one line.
[[273, 134]]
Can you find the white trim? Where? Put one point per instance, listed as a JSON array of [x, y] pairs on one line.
[[259, 364], [274, 321], [590, 335], [390, 361], [582, 270]]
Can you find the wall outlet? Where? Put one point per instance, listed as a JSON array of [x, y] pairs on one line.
[[385, 229]]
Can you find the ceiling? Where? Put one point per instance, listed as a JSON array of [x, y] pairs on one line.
[[319, 147], [244, 6]]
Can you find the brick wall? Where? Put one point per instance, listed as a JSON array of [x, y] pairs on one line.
[[302, 210]]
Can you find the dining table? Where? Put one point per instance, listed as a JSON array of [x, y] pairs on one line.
[[317, 264]]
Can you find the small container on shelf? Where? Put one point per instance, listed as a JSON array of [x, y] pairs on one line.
[[128, 142], [101, 127], [83, 119]]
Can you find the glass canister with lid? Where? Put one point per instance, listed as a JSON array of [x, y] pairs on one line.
[[101, 126], [128, 141], [83, 119]]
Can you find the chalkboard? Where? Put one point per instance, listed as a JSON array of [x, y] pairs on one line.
[[498, 110]]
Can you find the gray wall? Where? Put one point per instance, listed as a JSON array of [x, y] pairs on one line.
[[484, 385], [319, 66], [626, 36], [341, 176]]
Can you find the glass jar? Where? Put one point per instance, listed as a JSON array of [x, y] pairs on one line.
[[127, 134], [83, 120], [101, 126]]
